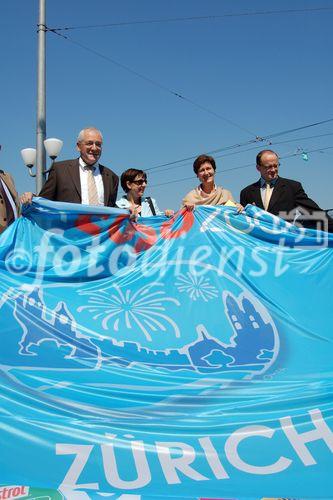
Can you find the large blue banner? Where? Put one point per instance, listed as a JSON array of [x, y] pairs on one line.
[[166, 358]]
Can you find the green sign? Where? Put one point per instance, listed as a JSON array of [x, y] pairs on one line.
[[28, 492]]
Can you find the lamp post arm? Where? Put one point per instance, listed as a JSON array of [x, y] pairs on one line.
[[49, 169]]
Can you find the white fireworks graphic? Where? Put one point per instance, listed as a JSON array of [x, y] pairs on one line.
[[143, 308], [197, 287]]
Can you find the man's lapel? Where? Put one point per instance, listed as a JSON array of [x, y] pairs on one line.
[[106, 183], [10, 185], [256, 195], [74, 172]]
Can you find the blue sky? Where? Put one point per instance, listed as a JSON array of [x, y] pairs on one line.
[[266, 73]]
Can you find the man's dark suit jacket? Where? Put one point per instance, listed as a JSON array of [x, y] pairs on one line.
[[287, 195], [8, 180], [63, 183]]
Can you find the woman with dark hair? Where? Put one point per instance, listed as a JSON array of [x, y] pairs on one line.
[[134, 182], [207, 193]]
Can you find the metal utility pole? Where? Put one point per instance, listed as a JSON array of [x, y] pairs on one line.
[[41, 98]]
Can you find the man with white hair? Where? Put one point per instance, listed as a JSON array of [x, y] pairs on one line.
[[83, 180]]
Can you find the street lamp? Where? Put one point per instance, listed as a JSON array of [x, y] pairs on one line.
[[53, 147]]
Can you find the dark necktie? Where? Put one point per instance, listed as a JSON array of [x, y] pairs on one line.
[[10, 217]]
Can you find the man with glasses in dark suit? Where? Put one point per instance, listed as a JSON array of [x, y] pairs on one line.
[[83, 180], [283, 197]]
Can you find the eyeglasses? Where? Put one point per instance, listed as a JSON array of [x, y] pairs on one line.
[[267, 167], [91, 143], [140, 182]]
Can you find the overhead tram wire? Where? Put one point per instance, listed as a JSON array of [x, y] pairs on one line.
[[194, 18], [250, 149], [276, 144], [226, 148], [155, 83], [176, 94], [262, 139], [243, 166]]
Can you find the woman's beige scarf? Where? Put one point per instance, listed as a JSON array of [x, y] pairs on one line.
[[218, 197]]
